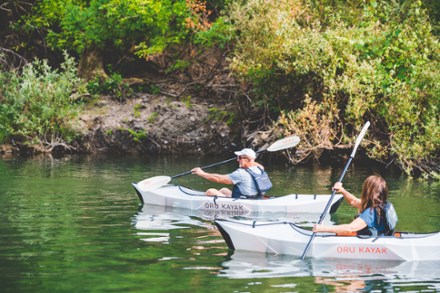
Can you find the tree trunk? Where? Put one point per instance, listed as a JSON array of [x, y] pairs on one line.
[[91, 65]]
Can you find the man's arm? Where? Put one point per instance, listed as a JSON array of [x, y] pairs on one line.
[[217, 178]]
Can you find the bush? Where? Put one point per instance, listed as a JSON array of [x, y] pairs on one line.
[[374, 60], [113, 86], [36, 103]]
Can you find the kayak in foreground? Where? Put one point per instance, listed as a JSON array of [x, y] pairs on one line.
[[288, 238], [183, 197]]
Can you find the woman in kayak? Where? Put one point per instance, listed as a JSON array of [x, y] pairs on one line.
[[249, 180], [376, 214]]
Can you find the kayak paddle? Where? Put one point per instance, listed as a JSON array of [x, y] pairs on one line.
[[158, 181], [358, 141]]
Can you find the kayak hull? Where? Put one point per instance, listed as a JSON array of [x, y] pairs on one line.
[[182, 197], [287, 238]]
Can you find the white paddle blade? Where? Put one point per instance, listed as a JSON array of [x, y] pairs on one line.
[[359, 138], [285, 143], [153, 183]]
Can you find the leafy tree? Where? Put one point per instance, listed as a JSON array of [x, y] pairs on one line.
[[145, 28]]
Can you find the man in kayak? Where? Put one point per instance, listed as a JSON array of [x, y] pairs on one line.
[[376, 215], [249, 180]]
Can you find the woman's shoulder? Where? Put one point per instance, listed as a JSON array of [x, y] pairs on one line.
[[368, 214]]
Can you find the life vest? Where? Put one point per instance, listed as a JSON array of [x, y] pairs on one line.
[[262, 181], [389, 215]]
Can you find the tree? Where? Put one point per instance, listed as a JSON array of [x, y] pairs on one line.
[[97, 27]]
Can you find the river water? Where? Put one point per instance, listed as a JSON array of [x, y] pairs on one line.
[[76, 225]]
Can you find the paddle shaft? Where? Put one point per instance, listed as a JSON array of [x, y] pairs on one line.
[[206, 167], [281, 144], [209, 166], [321, 218]]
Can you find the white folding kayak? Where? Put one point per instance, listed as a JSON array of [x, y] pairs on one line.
[[288, 238], [182, 197]]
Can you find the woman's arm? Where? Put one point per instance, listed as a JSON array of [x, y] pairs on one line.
[[356, 225], [350, 198]]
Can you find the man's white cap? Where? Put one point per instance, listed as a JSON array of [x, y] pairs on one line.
[[246, 152]]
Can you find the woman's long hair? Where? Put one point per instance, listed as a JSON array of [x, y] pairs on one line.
[[374, 193]]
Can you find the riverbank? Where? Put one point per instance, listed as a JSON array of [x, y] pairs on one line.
[[145, 124], [153, 124], [190, 113]]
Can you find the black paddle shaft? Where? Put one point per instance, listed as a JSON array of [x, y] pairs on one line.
[[358, 141], [206, 167], [212, 165], [321, 218], [282, 144]]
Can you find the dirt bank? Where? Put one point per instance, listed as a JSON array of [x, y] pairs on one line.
[[189, 113], [148, 123], [153, 124]]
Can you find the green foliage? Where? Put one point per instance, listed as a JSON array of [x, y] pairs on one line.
[[187, 102], [216, 114], [36, 103], [433, 7], [113, 86], [326, 66], [219, 34], [137, 110], [366, 60], [153, 117], [137, 135], [154, 89], [179, 65], [143, 27]]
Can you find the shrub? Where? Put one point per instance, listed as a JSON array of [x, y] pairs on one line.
[[36, 103], [372, 60], [113, 86]]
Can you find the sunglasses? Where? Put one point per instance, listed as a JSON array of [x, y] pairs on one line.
[[241, 157]]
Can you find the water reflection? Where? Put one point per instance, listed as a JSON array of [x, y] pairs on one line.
[[163, 218], [344, 275]]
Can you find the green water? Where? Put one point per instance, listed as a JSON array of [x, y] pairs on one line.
[[75, 225]]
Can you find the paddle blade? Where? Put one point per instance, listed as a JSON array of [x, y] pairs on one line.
[[285, 143], [359, 138], [336, 205], [153, 183]]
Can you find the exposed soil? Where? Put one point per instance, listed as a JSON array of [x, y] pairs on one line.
[[153, 124], [181, 118]]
